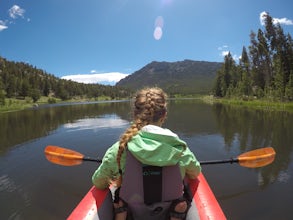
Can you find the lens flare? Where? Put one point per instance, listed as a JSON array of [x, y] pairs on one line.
[[166, 2], [158, 33], [159, 22]]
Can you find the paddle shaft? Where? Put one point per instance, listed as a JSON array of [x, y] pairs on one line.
[[232, 160], [91, 159]]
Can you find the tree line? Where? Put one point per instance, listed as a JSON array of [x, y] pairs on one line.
[[264, 71], [20, 80]]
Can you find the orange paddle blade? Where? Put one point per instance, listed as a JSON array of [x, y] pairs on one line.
[[63, 156], [257, 158]]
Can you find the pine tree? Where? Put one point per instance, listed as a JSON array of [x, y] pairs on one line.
[[2, 93], [257, 76], [227, 77], [279, 88], [265, 64], [245, 83], [217, 90], [270, 32], [289, 88]]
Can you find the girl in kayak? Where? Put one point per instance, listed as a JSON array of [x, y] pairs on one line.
[[150, 144]]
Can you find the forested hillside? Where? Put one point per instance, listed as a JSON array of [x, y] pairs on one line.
[[182, 77], [265, 70], [20, 80]]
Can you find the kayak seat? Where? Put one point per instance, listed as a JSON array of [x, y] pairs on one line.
[[150, 191]]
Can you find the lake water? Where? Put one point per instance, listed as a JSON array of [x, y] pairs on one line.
[[33, 188]]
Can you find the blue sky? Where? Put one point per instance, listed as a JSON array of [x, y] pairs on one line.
[[87, 40]]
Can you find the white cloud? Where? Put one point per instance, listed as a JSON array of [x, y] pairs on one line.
[[222, 47], [2, 25], [284, 21], [236, 58], [16, 11], [101, 78], [225, 52]]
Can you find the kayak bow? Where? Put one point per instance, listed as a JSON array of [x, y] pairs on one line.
[[97, 203]]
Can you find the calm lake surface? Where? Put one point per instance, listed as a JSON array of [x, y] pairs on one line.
[[33, 188]]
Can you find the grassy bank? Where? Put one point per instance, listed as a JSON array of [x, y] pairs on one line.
[[15, 105], [20, 104], [256, 104]]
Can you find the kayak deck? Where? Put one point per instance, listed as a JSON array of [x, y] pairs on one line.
[[97, 203]]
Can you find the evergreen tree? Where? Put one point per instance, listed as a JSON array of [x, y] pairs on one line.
[[257, 77], [46, 88], [245, 83], [279, 87], [244, 61], [227, 77], [11, 86], [289, 88], [25, 88], [270, 33], [265, 65], [217, 90], [2, 93]]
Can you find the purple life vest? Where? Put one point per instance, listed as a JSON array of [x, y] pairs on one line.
[[149, 190]]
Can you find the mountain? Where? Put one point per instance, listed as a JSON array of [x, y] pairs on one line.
[[181, 77]]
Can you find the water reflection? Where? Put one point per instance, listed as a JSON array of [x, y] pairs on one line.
[[96, 123], [256, 129], [190, 117], [23, 126]]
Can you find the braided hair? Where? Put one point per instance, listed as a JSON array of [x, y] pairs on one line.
[[149, 107]]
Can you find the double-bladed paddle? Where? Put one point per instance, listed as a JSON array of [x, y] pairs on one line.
[[252, 159]]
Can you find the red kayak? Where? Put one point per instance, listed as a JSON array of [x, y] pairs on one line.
[[97, 204]]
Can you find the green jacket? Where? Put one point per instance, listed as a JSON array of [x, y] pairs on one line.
[[153, 146]]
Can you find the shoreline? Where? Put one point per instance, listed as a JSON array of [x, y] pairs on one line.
[[13, 105]]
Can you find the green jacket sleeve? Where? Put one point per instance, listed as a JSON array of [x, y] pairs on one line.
[[108, 170], [190, 164]]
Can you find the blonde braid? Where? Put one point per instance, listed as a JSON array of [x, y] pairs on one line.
[[149, 107]]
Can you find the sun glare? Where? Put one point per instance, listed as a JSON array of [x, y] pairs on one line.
[[158, 33], [166, 2]]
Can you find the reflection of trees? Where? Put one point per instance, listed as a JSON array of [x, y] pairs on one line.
[[22, 126], [190, 116], [255, 129]]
